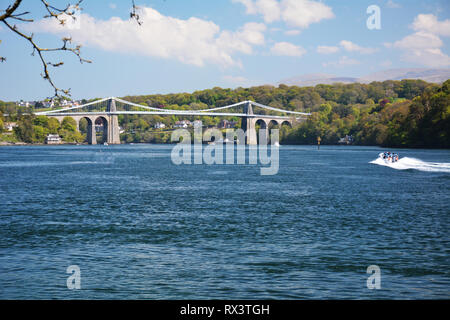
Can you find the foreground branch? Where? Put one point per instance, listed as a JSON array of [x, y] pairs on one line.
[[61, 15]]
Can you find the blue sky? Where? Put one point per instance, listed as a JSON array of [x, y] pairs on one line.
[[188, 45]]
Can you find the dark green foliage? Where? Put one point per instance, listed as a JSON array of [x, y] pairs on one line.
[[423, 121]]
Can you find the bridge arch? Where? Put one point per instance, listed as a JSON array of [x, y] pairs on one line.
[[263, 129], [261, 123], [102, 123], [90, 129], [286, 123], [274, 124]]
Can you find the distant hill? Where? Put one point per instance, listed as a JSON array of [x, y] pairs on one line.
[[429, 75]]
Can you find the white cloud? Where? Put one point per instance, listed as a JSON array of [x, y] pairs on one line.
[[424, 46], [242, 40], [419, 40], [347, 46], [393, 5], [112, 5], [353, 47], [295, 13], [431, 57], [268, 8], [342, 62], [302, 13], [192, 41], [430, 23], [287, 49], [327, 49]]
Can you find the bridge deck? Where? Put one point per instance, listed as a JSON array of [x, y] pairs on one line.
[[181, 113]]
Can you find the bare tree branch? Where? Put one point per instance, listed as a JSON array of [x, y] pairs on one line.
[[53, 12], [10, 10], [134, 15], [60, 15]]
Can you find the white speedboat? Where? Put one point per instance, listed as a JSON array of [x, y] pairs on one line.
[[389, 157]]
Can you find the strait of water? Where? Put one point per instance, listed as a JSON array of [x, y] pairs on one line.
[[140, 227]]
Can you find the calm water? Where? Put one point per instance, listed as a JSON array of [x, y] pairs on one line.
[[140, 227]]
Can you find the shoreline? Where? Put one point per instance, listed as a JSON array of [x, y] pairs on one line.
[[22, 144]]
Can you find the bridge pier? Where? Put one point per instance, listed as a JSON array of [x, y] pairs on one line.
[[113, 136], [91, 135], [248, 125]]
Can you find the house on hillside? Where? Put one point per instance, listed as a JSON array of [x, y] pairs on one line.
[[9, 126], [226, 124], [182, 124]]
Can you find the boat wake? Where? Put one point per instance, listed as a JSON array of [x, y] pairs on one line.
[[416, 164]]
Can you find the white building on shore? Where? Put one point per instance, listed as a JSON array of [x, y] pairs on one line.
[[53, 139]]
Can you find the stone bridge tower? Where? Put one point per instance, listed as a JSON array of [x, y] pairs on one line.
[[113, 134], [248, 125]]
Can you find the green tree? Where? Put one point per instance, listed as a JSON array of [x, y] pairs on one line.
[[40, 133], [53, 125], [24, 130], [69, 124], [41, 121]]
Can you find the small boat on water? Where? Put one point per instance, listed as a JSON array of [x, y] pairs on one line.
[[105, 143], [389, 157]]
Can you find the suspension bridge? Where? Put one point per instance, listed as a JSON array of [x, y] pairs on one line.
[[108, 110]]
